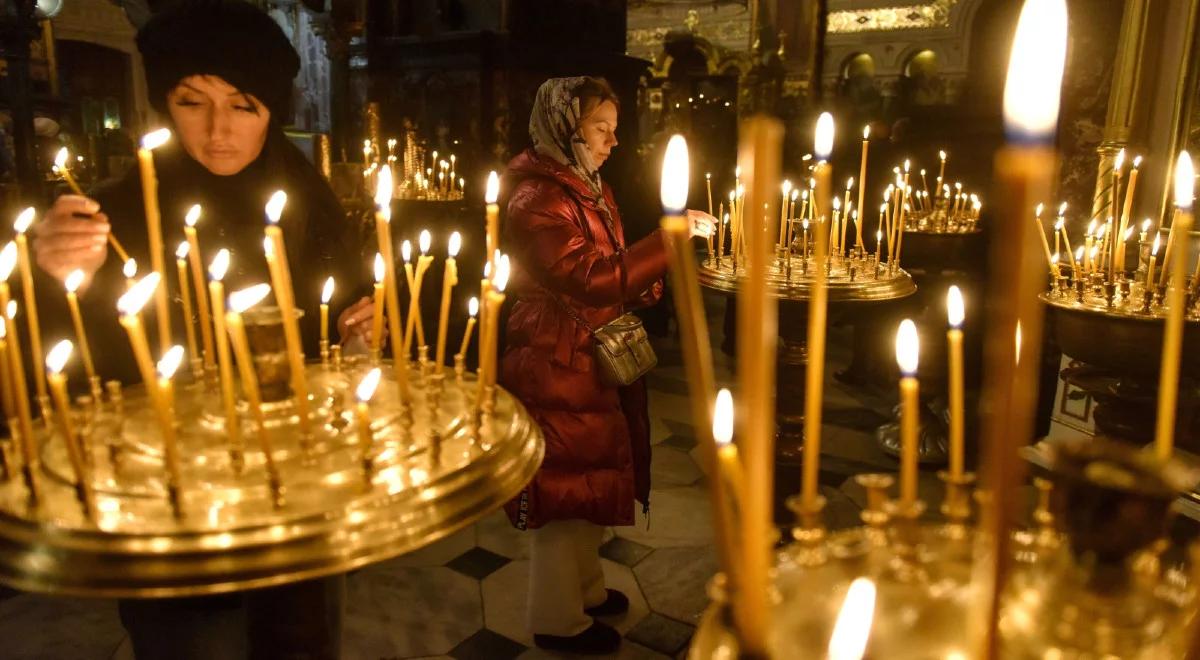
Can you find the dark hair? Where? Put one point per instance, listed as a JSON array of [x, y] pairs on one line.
[[592, 92]]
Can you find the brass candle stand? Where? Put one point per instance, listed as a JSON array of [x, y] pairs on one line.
[[1078, 585], [432, 467]]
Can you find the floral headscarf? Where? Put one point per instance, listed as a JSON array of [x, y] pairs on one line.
[[554, 126]]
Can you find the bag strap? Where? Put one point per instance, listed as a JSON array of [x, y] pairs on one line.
[[567, 308]]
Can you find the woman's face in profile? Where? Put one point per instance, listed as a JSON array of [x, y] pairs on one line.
[[221, 127], [599, 130]]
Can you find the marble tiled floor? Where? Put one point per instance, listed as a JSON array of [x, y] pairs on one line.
[[464, 597]]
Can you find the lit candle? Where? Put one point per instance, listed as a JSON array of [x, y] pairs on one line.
[[414, 303], [185, 297], [166, 421], [488, 347], [449, 279], [383, 230], [22, 224], [29, 455], [326, 296], [281, 277], [56, 360], [757, 336], [60, 167], [378, 301], [1127, 211], [785, 190], [708, 189], [1168, 381], [239, 302], [1150, 266], [362, 417], [1023, 172], [129, 270], [72, 285], [728, 488], [216, 290], [195, 258], [862, 180], [130, 306], [1145, 230], [852, 628], [492, 226], [145, 156], [954, 341], [906, 356], [924, 190], [941, 170], [6, 388], [846, 216], [817, 308], [472, 311], [1041, 232]]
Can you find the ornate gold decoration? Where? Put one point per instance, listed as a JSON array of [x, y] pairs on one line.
[[934, 14]]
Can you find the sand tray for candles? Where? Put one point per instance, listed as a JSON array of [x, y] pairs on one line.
[[791, 278]]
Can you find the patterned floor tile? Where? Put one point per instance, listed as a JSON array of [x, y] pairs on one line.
[[628, 651], [395, 611], [672, 467], [662, 634], [674, 581], [439, 552], [478, 563], [678, 517], [50, 627], [624, 551], [487, 645]]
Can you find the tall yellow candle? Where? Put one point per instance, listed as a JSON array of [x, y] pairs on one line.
[[24, 220], [280, 275], [185, 297], [862, 181], [326, 296], [362, 419], [906, 356], [424, 261], [488, 342], [472, 311], [166, 421], [195, 257], [941, 170], [60, 167], [817, 309], [1024, 170], [379, 300], [1168, 378], [239, 302], [449, 279], [130, 306], [145, 157], [233, 423], [56, 360], [708, 190], [1127, 210], [729, 487], [954, 340], [6, 387], [1153, 257], [29, 455], [72, 285], [383, 230], [492, 217], [757, 322]]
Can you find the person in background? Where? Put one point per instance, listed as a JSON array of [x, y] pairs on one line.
[[571, 264]]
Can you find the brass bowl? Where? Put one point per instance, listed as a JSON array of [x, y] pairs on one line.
[[863, 286]]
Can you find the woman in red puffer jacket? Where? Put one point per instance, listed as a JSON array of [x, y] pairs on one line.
[[569, 251]]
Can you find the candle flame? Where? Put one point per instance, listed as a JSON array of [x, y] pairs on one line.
[[1137, 162], [803, 195], [1154, 246], [1038, 211], [1079, 253], [1035, 70], [796, 193], [786, 187], [60, 159], [129, 269], [192, 216], [1119, 162], [1058, 224], [837, 203], [170, 362], [737, 171], [181, 252], [275, 206], [11, 311], [1146, 224], [907, 347], [1091, 228], [1185, 181], [327, 291], [74, 279], [1062, 209], [492, 193], [24, 220], [383, 192], [406, 251], [3, 328], [922, 171], [135, 298], [220, 264], [1017, 342], [473, 307], [1102, 230], [502, 272], [942, 155], [906, 166], [867, 132], [366, 387], [243, 299], [722, 424], [673, 188], [849, 183], [156, 139], [853, 626], [708, 176], [955, 309], [380, 268], [805, 224], [823, 141], [1128, 233], [425, 240], [732, 196], [1054, 259], [57, 358], [455, 244]]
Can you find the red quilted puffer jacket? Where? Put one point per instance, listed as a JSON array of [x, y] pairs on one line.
[[597, 436]]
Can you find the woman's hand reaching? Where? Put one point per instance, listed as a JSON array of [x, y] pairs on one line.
[[71, 236], [700, 224], [356, 321]]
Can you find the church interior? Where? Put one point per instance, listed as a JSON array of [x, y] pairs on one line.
[[705, 329]]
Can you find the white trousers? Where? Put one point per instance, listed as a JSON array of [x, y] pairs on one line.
[[564, 577]]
